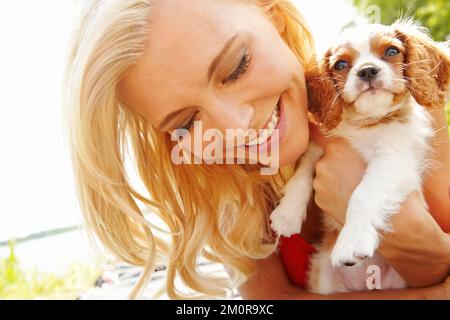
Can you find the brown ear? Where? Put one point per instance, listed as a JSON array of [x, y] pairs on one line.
[[324, 103], [427, 65]]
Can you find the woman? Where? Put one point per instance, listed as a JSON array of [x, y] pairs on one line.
[[141, 70]]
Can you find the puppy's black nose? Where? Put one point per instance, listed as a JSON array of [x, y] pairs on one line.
[[368, 73]]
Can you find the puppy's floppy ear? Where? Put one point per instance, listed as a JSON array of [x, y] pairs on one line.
[[427, 65], [324, 103]]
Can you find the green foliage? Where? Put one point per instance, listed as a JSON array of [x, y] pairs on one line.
[[15, 283], [433, 14]]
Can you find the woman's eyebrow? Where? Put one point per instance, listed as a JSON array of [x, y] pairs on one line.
[[211, 70], [220, 56]]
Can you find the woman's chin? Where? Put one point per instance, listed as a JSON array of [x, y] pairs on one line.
[[291, 151], [289, 160]]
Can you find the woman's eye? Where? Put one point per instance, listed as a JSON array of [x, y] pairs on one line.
[[240, 70], [391, 51], [341, 65]]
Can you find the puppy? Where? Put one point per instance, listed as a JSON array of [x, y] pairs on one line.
[[373, 88]]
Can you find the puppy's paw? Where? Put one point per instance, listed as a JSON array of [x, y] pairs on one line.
[[353, 246], [287, 218]]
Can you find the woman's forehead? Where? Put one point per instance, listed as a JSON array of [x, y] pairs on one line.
[[184, 38], [195, 29]]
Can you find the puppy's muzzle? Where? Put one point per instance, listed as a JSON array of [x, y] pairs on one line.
[[368, 73]]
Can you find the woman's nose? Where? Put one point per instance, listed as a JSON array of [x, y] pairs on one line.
[[231, 115]]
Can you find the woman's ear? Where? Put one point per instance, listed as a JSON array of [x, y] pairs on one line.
[[427, 65], [324, 103]]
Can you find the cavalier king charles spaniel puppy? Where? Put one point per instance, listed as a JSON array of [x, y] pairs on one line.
[[373, 87]]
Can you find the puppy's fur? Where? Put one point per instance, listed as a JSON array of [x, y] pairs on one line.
[[372, 88]]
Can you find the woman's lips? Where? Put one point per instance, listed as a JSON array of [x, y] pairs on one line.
[[268, 129], [270, 143]]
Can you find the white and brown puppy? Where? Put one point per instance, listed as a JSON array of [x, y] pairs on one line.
[[372, 88]]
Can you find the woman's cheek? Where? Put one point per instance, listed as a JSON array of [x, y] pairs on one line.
[[296, 137], [293, 145]]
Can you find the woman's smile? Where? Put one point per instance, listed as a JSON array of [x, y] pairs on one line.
[[276, 123], [268, 129]]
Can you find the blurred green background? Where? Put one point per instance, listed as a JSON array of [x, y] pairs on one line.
[[432, 14], [19, 283]]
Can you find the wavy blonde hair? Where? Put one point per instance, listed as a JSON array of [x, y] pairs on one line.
[[211, 211]]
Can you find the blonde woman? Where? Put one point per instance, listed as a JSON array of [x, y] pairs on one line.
[[141, 69]]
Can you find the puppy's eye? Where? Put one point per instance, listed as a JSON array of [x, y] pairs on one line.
[[391, 51], [340, 65]]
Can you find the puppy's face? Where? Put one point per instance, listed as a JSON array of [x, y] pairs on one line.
[[372, 68], [367, 69]]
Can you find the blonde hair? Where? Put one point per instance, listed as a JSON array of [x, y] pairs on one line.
[[217, 212]]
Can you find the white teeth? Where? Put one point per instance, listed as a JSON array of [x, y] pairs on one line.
[[265, 134], [254, 142], [274, 118]]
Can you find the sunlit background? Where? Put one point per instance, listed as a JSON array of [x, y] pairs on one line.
[[43, 253]]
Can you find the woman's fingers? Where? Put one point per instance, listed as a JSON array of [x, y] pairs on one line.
[[338, 173]]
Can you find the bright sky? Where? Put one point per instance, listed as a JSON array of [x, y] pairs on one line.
[[36, 188], [35, 176]]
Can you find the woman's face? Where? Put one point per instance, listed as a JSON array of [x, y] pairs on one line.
[[222, 63]]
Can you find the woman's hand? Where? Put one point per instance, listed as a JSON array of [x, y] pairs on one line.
[[437, 179], [338, 173], [418, 249]]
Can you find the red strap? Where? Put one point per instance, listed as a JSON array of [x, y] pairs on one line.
[[295, 253]]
